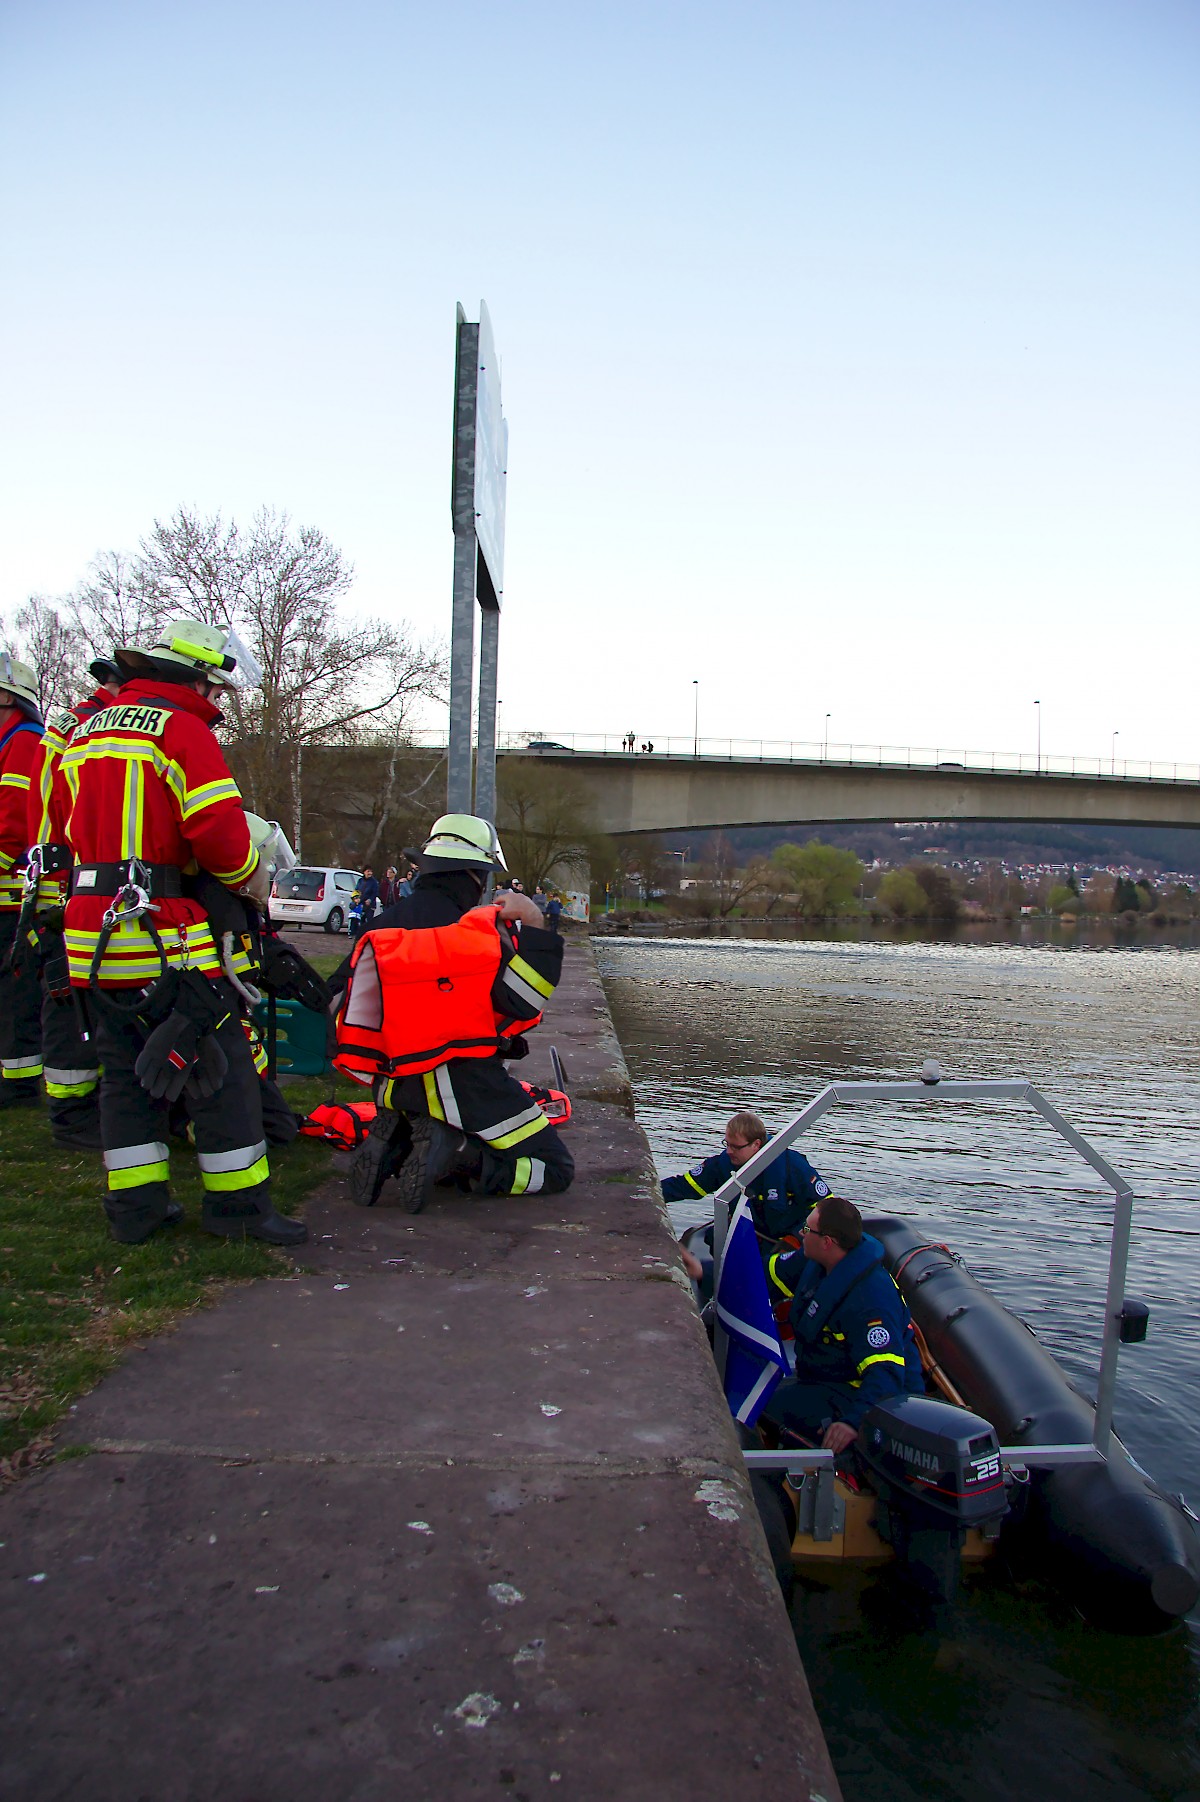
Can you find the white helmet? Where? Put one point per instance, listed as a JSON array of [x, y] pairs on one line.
[[214, 652], [271, 842], [20, 682], [462, 839]]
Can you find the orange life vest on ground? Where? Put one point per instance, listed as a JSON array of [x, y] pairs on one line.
[[419, 996], [342, 1124]]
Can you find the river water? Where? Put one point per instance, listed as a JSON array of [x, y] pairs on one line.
[[1007, 1693]]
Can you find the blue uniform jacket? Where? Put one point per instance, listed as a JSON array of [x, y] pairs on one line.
[[781, 1198], [851, 1324]]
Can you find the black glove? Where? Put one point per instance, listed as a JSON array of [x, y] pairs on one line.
[[284, 972], [171, 1052], [208, 1072], [167, 1058], [517, 1047]]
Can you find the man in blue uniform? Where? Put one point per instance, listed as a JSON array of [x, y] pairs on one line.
[[780, 1197], [855, 1343]]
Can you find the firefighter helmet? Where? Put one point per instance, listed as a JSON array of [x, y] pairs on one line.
[[19, 681], [463, 841], [105, 669], [188, 647]]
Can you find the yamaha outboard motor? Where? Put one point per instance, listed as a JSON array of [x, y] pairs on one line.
[[937, 1472]]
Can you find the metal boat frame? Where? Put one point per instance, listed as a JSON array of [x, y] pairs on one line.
[[932, 1087]]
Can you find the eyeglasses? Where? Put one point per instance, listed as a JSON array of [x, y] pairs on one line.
[[815, 1232], [738, 1144]]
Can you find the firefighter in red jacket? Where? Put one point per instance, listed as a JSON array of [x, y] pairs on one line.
[[464, 1116], [152, 798], [20, 991], [71, 1071]]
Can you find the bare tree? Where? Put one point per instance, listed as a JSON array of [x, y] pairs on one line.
[[722, 884], [325, 679], [544, 818], [54, 650], [118, 602]]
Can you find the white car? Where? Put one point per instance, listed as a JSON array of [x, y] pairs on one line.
[[313, 897]]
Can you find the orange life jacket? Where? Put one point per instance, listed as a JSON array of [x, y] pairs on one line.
[[343, 1124], [418, 996]]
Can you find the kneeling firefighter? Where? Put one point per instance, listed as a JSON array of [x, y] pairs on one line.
[[437, 995], [153, 797]]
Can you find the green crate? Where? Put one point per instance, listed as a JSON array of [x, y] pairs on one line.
[[299, 1038]]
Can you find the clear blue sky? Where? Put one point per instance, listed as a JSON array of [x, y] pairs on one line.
[[849, 350]]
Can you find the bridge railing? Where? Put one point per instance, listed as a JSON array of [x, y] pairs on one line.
[[900, 757]]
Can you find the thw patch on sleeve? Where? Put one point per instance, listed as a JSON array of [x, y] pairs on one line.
[[878, 1337], [820, 1188]]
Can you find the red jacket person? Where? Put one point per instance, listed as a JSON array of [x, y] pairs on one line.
[[20, 990], [71, 1066], [153, 797]]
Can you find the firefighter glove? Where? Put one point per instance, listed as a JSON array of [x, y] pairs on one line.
[[208, 1072]]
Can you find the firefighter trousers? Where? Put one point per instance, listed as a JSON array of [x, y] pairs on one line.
[[20, 1013], [521, 1152], [228, 1128], [71, 1064]]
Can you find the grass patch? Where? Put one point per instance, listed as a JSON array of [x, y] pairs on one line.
[[71, 1298]]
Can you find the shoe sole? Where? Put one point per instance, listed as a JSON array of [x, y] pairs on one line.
[[413, 1183], [366, 1173], [375, 1160], [435, 1149]]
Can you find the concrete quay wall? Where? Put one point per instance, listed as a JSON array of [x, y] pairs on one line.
[[454, 1509]]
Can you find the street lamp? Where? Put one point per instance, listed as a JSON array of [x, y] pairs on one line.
[[825, 741], [1038, 705], [695, 716], [1116, 735]]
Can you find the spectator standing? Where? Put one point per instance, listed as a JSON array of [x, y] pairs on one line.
[[388, 888], [368, 895], [553, 912]]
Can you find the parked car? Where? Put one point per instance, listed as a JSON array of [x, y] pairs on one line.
[[313, 897], [548, 744]]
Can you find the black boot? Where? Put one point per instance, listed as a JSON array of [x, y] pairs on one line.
[[133, 1226], [270, 1227], [23, 1091], [84, 1136], [381, 1153], [435, 1149]]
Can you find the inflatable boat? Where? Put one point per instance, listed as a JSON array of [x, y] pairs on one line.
[[1126, 1551], [1003, 1454]]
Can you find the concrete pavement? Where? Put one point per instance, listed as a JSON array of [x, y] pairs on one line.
[[453, 1511]]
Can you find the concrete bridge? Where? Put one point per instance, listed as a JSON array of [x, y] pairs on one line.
[[672, 791]]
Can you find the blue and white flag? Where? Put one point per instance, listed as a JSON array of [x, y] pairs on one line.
[[755, 1362]]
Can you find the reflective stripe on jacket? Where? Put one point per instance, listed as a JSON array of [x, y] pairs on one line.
[[49, 794], [148, 779], [851, 1324], [419, 996], [780, 1198], [18, 765]]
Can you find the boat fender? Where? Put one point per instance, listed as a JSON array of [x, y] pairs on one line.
[[957, 1313]]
